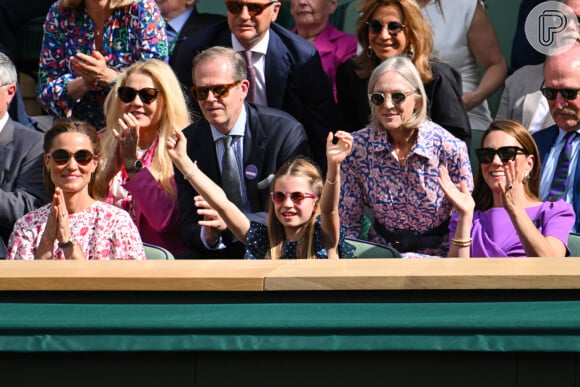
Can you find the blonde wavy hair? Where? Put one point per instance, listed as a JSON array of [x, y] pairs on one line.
[[301, 167], [174, 116], [417, 31]]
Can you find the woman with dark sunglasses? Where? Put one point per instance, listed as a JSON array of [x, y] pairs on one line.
[[393, 165], [384, 29], [504, 217], [144, 108], [76, 225], [303, 219]]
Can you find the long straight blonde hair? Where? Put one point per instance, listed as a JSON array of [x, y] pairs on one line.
[[301, 167], [175, 116]]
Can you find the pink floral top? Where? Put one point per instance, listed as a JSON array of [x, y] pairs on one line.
[[102, 231]]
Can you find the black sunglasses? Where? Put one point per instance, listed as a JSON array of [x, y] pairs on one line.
[[505, 153], [82, 157], [147, 94], [296, 197], [568, 93], [254, 9], [398, 97], [219, 91], [376, 27]]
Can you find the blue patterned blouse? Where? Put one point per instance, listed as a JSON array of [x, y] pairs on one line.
[[403, 196], [258, 244], [132, 33]]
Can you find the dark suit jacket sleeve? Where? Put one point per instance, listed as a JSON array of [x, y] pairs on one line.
[[351, 92], [21, 185], [445, 103]]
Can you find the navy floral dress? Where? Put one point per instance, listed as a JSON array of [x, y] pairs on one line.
[[258, 244]]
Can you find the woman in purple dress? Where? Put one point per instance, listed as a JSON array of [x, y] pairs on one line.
[[505, 216]]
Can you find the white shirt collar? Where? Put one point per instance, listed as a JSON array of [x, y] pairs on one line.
[[4, 121], [239, 128], [261, 47], [178, 22]]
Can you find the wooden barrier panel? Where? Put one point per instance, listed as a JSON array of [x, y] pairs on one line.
[[267, 275]]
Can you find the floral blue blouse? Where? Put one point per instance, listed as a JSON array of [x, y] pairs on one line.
[[132, 33], [258, 244]]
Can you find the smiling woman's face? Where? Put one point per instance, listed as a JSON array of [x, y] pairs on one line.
[[384, 44], [148, 115], [71, 176]]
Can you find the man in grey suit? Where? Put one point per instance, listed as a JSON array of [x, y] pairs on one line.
[[522, 100], [260, 139], [21, 186]]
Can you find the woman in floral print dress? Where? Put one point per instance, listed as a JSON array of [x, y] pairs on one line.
[[86, 45], [76, 225]]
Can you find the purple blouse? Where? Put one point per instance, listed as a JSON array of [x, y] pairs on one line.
[[132, 33], [401, 196], [494, 234]]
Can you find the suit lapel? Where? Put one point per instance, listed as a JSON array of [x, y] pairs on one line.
[[276, 70]]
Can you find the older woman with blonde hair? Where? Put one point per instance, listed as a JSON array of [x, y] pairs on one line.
[[143, 109], [86, 45], [394, 164], [387, 28]]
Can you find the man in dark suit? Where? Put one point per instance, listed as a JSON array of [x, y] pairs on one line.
[[561, 88], [288, 70], [21, 186], [182, 22], [262, 139]]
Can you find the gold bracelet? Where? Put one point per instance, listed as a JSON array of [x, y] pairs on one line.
[[330, 182], [461, 242]]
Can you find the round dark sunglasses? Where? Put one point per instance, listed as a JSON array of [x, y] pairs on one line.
[[378, 98], [254, 9], [568, 93], [376, 27], [297, 197], [505, 153], [62, 157], [147, 94], [219, 91]]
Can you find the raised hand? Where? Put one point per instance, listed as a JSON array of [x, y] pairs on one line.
[[460, 198], [338, 146], [128, 138]]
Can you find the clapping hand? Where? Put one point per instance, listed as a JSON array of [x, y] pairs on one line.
[[460, 198], [128, 138]]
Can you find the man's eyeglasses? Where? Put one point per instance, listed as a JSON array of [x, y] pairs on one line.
[[376, 27], [147, 94], [297, 197], [62, 157], [505, 153], [567, 93], [378, 98], [254, 9], [219, 91]]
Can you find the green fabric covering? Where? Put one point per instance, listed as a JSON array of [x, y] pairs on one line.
[[374, 326]]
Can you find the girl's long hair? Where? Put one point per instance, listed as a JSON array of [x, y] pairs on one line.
[[300, 167]]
